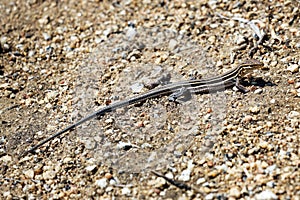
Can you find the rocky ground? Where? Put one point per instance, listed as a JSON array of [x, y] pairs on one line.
[[60, 60]]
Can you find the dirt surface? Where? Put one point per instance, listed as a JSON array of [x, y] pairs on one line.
[[60, 60]]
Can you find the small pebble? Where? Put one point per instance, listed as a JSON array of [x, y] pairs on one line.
[[263, 144], [98, 40], [67, 160], [108, 176], [159, 182], [131, 33], [210, 196], [185, 175], [20, 46], [6, 47], [270, 169], [6, 158], [70, 54], [29, 173], [102, 183], [235, 192], [272, 101], [89, 144], [137, 87], [258, 91], [247, 118], [293, 68], [264, 165], [172, 44], [293, 114], [126, 191], [200, 181], [271, 184], [219, 63], [49, 174], [290, 81], [31, 53], [254, 109], [213, 174], [7, 194], [3, 40], [266, 195], [46, 36], [124, 145], [289, 129], [240, 40], [214, 25], [253, 150], [91, 168]]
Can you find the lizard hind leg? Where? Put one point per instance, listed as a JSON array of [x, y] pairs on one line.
[[181, 96]]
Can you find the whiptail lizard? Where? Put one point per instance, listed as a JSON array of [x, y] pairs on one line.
[[175, 90]]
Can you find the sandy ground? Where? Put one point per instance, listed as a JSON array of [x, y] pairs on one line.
[[60, 60]]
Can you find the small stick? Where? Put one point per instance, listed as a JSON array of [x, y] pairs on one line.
[[253, 26], [173, 182], [178, 184]]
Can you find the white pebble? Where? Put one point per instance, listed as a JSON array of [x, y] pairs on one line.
[[67, 160], [293, 114], [235, 192], [98, 40], [126, 191], [219, 63], [29, 173], [107, 32], [247, 118], [270, 184], [6, 194], [272, 101], [46, 36], [102, 183], [6, 46], [157, 183], [131, 33], [3, 40], [214, 25], [137, 87], [50, 174], [254, 109], [289, 129], [169, 175], [185, 174], [172, 44], [293, 68], [124, 145], [6, 158], [210, 196], [200, 181], [74, 38], [90, 168], [266, 195], [70, 55], [270, 169], [258, 91], [240, 40], [31, 53]]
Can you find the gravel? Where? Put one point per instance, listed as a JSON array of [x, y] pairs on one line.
[[62, 60]]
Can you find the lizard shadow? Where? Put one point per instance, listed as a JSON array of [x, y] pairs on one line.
[[256, 82]]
